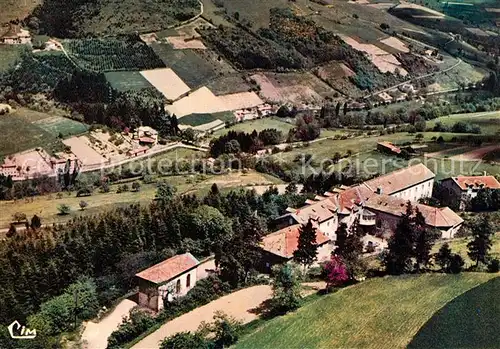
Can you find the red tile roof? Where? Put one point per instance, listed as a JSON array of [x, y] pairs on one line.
[[285, 241], [438, 217], [318, 211], [169, 269], [146, 140], [390, 146], [351, 197], [401, 179], [477, 182]]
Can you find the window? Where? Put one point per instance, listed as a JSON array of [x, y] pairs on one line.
[[178, 286], [188, 281]]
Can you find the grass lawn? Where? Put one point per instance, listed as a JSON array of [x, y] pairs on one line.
[[488, 121], [460, 246], [379, 313], [469, 321], [257, 125]]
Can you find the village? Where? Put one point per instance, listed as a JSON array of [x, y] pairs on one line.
[[217, 174]]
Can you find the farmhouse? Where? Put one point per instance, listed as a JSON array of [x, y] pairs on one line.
[[465, 188], [170, 279], [388, 147], [384, 97], [278, 247], [147, 135], [15, 35]]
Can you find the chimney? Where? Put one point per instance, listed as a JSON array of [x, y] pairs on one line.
[[379, 191]]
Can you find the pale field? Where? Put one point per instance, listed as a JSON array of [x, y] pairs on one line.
[[476, 154], [396, 44], [185, 42], [199, 102], [241, 100], [384, 61], [167, 82], [80, 146]]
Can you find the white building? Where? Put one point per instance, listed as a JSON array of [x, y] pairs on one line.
[[171, 279]]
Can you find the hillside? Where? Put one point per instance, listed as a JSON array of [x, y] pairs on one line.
[[14, 9], [76, 18], [379, 313]]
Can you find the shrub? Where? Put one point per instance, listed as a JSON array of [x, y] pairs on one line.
[[456, 264], [63, 209], [494, 266]]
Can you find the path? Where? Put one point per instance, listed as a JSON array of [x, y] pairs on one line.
[[476, 154], [238, 304], [415, 79], [95, 335]]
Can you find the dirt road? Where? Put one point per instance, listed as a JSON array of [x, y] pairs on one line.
[[96, 335], [240, 304]]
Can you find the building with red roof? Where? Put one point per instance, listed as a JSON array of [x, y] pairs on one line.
[[170, 279], [465, 188], [278, 247]]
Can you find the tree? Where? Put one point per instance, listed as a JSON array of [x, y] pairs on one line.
[[19, 217], [232, 147], [307, 249], [83, 205], [480, 245], [12, 231], [36, 222], [63, 209], [349, 246], [291, 188], [189, 135], [398, 258], [165, 192], [286, 289], [443, 257], [336, 272], [456, 264], [224, 330], [136, 186], [185, 340], [424, 240], [210, 226], [494, 266]]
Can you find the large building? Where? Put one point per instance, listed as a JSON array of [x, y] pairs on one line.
[[278, 247], [170, 279], [465, 188], [377, 204]]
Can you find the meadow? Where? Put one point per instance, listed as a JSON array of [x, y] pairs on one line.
[[9, 55], [12, 10], [257, 125], [488, 121], [26, 129], [201, 119], [46, 206], [123, 81], [379, 313]]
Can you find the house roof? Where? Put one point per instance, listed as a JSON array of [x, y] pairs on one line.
[[390, 146], [476, 182], [146, 140], [285, 241], [318, 211], [438, 217], [347, 199], [401, 179], [169, 269]]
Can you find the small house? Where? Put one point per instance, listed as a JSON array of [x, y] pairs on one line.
[[167, 280], [465, 188]]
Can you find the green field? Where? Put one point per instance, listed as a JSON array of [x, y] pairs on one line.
[[488, 121], [25, 129], [379, 313], [127, 80], [58, 125], [200, 119], [469, 321], [257, 125], [9, 55], [189, 66]]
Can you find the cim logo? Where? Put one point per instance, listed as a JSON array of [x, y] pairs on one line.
[[17, 331]]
